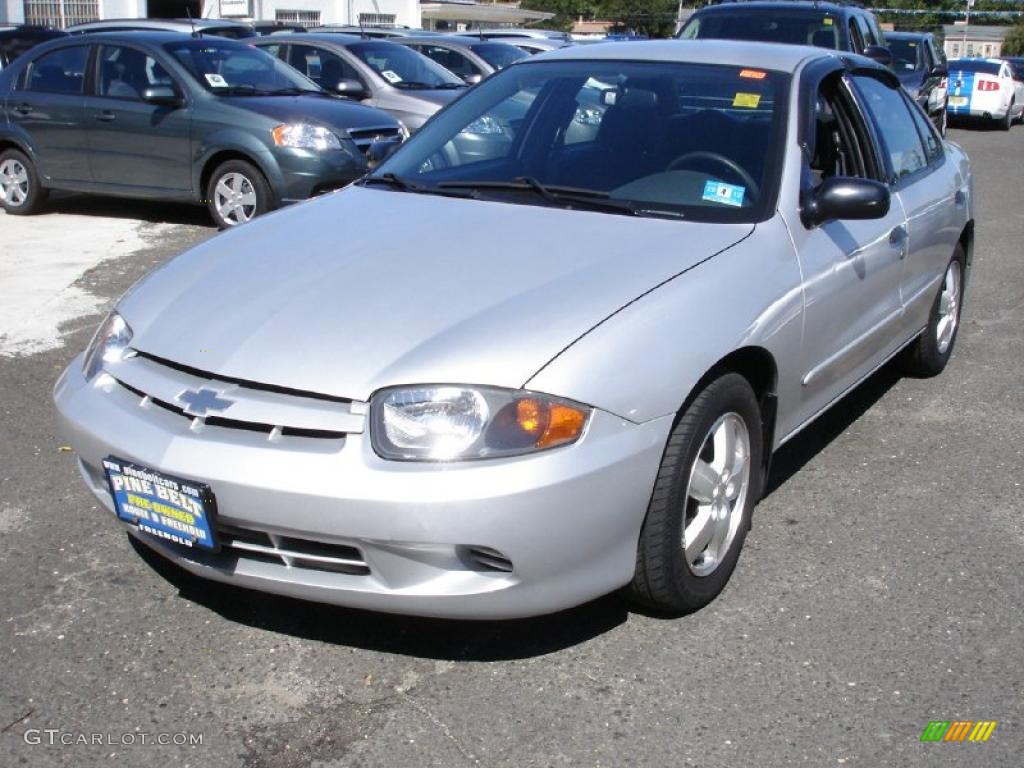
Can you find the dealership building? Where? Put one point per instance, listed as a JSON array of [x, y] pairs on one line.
[[442, 14]]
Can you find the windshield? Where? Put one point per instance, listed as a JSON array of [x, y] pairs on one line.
[[775, 26], [642, 138], [975, 65], [236, 69], [403, 67], [499, 55], [905, 54]]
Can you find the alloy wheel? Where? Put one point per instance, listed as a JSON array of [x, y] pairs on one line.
[[716, 494], [949, 307], [235, 199], [14, 183]]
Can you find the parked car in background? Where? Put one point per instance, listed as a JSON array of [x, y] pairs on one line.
[[838, 27], [235, 30], [533, 45], [987, 89], [478, 427], [275, 27], [378, 73], [920, 64], [521, 33], [15, 40], [470, 58], [375, 32], [171, 117]]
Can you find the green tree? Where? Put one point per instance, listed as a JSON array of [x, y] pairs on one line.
[[1013, 44], [566, 11], [654, 18]]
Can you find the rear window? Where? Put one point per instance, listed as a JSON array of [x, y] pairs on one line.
[[810, 28], [499, 55], [975, 65]]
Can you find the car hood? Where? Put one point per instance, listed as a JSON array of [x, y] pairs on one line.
[[432, 100], [368, 288], [326, 110]]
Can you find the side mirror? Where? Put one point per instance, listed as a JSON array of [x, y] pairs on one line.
[[381, 150], [842, 197], [352, 89], [939, 70], [161, 95], [474, 78], [880, 54]]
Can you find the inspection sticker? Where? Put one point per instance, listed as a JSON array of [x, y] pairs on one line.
[[748, 100], [215, 80], [726, 194]]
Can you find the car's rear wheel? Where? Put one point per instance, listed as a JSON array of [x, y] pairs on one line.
[[21, 192], [237, 193], [699, 513], [928, 354], [1007, 121]]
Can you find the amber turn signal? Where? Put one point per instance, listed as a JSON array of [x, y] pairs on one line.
[[550, 424]]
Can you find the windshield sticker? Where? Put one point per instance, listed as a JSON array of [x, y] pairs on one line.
[[753, 74], [726, 194], [747, 100], [390, 76], [827, 21], [215, 80]]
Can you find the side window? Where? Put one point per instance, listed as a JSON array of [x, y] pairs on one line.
[[932, 142], [323, 67], [840, 144], [937, 53], [124, 73], [856, 38], [59, 71], [895, 124], [274, 50], [866, 31]]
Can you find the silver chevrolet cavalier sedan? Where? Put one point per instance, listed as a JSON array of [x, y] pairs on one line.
[[547, 349]]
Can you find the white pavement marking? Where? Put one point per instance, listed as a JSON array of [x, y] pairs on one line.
[[43, 257]]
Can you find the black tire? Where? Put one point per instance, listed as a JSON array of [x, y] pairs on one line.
[[943, 123], [250, 181], [664, 580], [925, 356], [30, 196], [1007, 121]]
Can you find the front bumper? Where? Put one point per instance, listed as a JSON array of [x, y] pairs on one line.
[[566, 520], [303, 173]]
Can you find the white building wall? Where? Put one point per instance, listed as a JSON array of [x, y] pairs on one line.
[[12, 11], [406, 12]]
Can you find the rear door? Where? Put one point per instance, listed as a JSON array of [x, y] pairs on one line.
[[48, 103], [135, 144]]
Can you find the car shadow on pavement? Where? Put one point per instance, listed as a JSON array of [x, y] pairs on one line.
[[794, 455], [439, 639], [152, 211]]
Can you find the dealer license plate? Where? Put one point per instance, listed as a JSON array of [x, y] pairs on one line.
[[170, 508]]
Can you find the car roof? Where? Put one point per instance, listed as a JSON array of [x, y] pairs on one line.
[[907, 35], [797, 6], [328, 38], [159, 24], [463, 40], [154, 36], [737, 53]]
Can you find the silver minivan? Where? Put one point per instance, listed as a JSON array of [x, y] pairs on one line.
[[378, 73]]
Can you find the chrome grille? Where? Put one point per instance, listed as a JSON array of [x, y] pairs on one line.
[[364, 137], [251, 406]]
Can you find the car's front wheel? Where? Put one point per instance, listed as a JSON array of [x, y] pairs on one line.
[[21, 193], [928, 354], [237, 193], [708, 483]]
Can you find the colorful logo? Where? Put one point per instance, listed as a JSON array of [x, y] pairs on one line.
[[958, 730]]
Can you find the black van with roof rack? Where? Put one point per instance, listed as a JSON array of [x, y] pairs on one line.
[[837, 25]]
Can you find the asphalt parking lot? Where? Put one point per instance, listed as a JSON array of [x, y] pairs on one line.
[[880, 588]]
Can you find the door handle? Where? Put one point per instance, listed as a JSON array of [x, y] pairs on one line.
[[105, 116], [898, 239], [23, 110], [960, 199]]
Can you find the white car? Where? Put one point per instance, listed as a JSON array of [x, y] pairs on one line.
[[986, 88]]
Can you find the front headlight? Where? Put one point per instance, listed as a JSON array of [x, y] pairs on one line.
[[484, 125], [446, 423], [108, 345], [305, 136]]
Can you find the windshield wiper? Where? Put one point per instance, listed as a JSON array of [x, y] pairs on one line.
[[568, 196], [404, 185], [450, 86], [296, 92]]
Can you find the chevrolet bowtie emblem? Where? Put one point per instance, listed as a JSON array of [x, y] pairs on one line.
[[199, 402]]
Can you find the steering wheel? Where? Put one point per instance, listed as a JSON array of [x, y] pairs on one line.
[[732, 165]]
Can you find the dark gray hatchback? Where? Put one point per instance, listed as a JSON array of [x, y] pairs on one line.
[[167, 116]]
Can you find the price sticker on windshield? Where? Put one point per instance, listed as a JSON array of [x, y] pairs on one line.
[[215, 80], [390, 76], [747, 100]]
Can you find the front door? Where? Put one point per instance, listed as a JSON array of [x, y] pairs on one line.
[[49, 104], [135, 144]]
